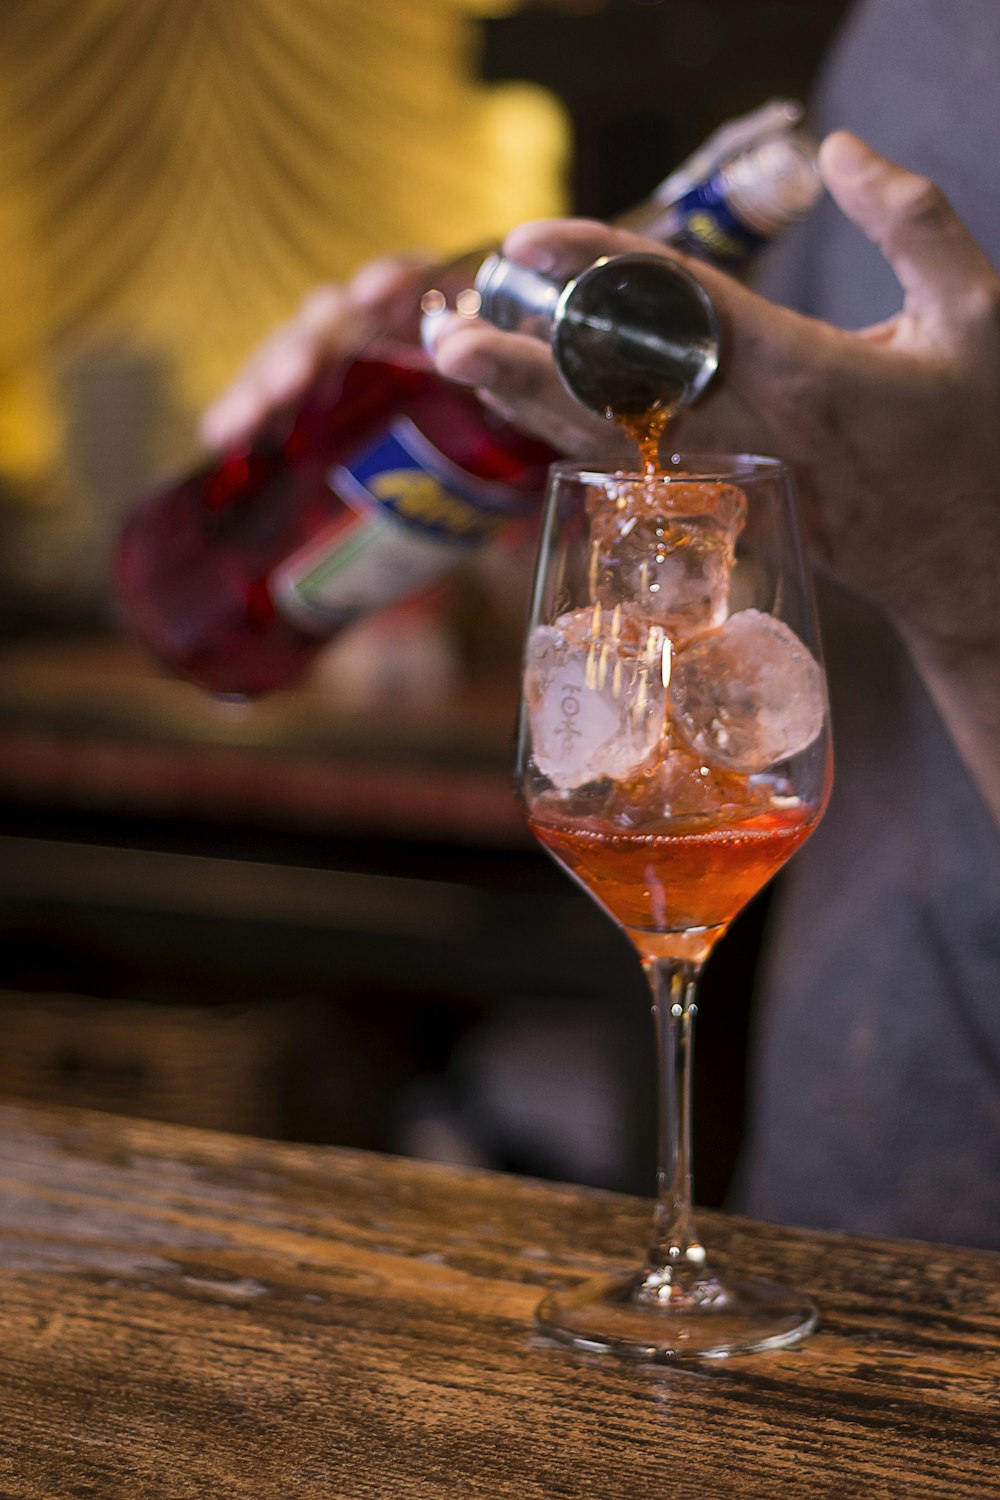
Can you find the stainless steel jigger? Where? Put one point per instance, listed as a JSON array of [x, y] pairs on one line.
[[631, 333]]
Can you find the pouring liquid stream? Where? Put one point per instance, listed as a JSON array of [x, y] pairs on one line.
[[646, 429]]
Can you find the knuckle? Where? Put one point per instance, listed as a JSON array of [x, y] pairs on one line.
[[983, 306], [321, 306], [923, 203], [383, 278], [526, 380]]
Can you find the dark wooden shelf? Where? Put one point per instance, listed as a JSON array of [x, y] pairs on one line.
[[91, 724]]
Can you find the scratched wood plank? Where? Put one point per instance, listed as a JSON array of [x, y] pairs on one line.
[[184, 1314]]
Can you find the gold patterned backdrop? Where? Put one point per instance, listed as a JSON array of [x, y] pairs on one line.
[[174, 174]]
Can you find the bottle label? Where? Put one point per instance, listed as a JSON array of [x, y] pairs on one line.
[[410, 515], [708, 225]]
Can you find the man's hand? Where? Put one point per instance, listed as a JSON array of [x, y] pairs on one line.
[[894, 430]]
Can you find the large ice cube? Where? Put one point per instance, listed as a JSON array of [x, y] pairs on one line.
[[749, 694], [667, 550], [594, 686]]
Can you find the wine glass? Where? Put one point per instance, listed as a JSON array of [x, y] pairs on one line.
[[673, 753]]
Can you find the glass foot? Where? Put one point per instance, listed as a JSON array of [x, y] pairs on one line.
[[650, 1316]]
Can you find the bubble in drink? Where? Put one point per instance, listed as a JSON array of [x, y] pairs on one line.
[[594, 687], [747, 695], [667, 549]]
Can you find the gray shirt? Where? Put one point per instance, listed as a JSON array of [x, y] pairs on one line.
[[876, 1083]]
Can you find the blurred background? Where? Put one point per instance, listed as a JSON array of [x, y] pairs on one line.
[[317, 917]]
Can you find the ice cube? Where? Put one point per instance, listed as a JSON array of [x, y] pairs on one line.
[[677, 786], [667, 550], [594, 686], [747, 695]]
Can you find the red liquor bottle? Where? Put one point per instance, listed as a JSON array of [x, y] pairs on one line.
[[237, 575]]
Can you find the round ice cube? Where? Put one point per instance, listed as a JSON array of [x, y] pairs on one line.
[[749, 694], [595, 695]]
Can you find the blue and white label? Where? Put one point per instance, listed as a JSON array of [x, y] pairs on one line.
[[406, 475], [709, 226], [412, 515]]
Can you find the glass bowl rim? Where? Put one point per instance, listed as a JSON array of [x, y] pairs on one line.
[[734, 468]]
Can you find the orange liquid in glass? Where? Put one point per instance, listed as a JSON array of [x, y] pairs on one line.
[[661, 884]]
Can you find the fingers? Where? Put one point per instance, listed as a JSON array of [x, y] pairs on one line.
[[331, 321], [279, 370], [563, 247], [937, 262], [383, 291], [513, 366], [515, 375]]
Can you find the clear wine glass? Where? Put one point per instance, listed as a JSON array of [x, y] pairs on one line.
[[674, 752]]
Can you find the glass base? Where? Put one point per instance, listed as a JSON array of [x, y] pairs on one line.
[[651, 1316]]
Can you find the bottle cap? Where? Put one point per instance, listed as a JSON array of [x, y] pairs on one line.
[[774, 183]]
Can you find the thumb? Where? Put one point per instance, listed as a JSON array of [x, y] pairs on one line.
[[934, 257]]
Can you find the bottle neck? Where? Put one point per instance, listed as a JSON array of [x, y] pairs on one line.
[[762, 165]]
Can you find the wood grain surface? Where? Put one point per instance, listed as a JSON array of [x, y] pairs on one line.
[[185, 1314]]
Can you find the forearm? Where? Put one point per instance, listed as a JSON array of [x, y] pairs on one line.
[[964, 682]]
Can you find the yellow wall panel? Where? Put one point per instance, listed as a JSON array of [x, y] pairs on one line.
[[174, 174]]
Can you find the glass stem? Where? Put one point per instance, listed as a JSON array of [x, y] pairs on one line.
[[676, 1246]]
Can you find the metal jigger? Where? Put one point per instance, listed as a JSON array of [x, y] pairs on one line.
[[630, 334]]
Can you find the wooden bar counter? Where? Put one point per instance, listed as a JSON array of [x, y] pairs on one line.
[[185, 1314]]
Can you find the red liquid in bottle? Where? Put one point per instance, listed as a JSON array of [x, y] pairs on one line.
[[237, 575]]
